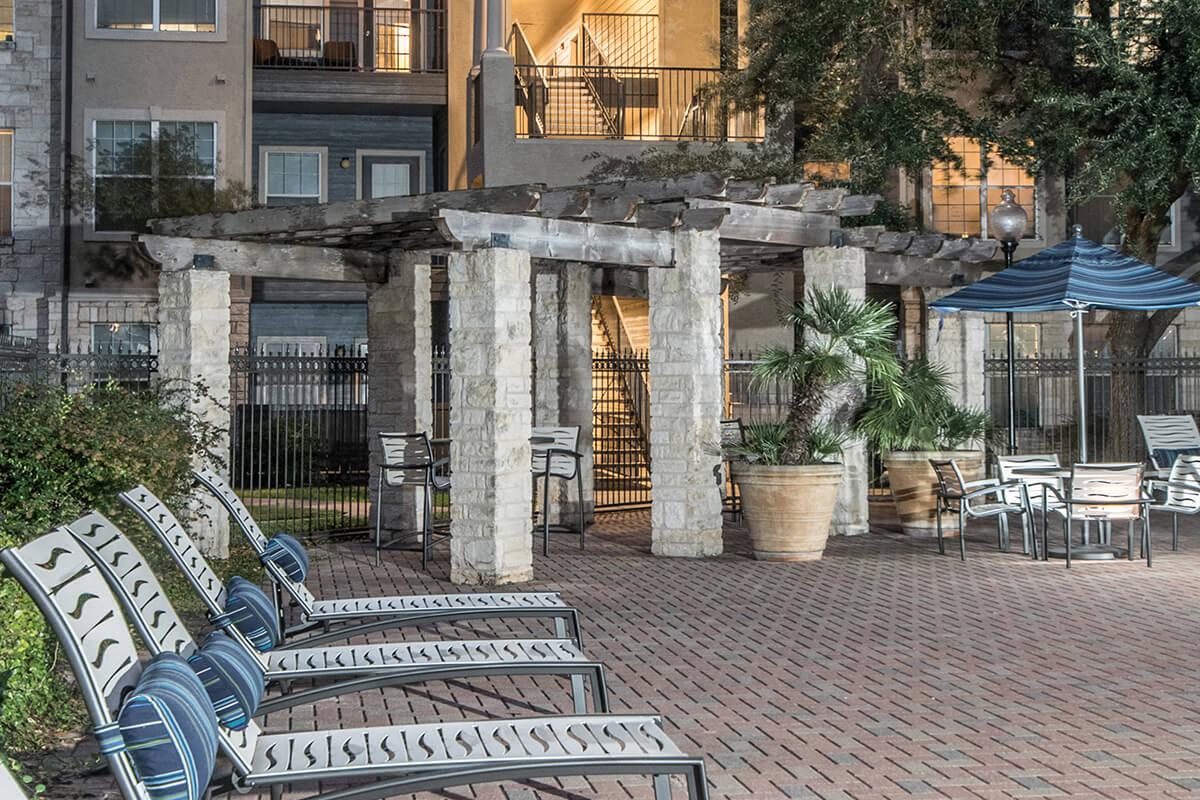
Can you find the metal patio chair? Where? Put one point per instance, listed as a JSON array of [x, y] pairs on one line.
[[390, 612], [733, 434], [408, 461], [956, 495], [1180, 493], [558, 461], [377, 762], [352, 668], [1108, 493], [1168, 436], [1048, 500]]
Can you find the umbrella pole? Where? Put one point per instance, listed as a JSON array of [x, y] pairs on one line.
[[1012, 383], [1081, 374]]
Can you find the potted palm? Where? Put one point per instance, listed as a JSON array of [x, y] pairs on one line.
[[919, 423], [788, 471]]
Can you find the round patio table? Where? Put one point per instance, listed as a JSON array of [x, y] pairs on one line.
[[1089, 550]]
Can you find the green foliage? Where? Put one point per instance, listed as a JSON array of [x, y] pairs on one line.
[[767, 443], [33, 788], [837, 339], [62, 455], [917, 412]]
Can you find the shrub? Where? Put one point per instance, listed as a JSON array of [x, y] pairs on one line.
[[62, 455]]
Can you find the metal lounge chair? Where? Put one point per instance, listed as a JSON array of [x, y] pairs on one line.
[[956, 495], [1168, 436], [405, 609], [1181, 493], [377, 762], [352, 667], [559, 461]]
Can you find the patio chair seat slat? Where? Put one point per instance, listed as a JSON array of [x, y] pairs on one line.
[[367, 606], [363, 659]]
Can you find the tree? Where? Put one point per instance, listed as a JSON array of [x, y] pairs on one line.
[[1105, 94]]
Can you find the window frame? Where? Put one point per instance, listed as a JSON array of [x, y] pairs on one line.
[[6, 236], [155, 128], [151, 329], [264, 171], [218, 34], [982, 186]]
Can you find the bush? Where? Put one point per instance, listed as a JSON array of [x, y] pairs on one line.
[[62, 455]]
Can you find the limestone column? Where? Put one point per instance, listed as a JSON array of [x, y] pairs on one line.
[[490, 417], [399, 363], [685, 399], [958, 342], [193, 349], [825, 268]]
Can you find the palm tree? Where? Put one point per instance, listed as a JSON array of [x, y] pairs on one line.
[[836, 339]]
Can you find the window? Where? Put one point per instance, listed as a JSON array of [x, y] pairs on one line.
[[6, 183], [963, 196], [191, 16], [135, 160], [124, 337], [6, 20], [1027, 339], [292, 177]]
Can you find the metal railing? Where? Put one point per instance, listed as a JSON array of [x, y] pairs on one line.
[[620, 443], [606, 94], [532, 89], [349, 38], [626, 102]]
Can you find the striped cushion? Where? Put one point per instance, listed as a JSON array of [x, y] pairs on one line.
[[286, 551], [249, 609], [1164, 458], [170, 731], [232, 677]]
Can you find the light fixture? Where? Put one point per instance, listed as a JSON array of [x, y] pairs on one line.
[[114, 327], [1009, 219], [345, 163]]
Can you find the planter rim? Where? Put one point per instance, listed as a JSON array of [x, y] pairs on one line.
[[925, 455], [812, 469]]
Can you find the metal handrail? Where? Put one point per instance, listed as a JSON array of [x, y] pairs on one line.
[[588, 46]]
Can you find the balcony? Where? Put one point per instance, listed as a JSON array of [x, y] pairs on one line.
[[385, 54]]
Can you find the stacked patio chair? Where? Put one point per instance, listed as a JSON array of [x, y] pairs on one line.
[[1105, 494], [1168, 437], [559, 461], [408, 462], [387, 611], [159, 730], [733, 434], [1180, 493], [968, 499], [351, 667], [1044, 491]]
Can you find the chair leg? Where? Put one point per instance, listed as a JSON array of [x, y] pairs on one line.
[[1005, 545], [941, 542], [1174, 531], [546, 511], [962, 535], [1067, 537], [1000, 520], [1146, 534], [1129, 539], [379, 516], [427, 523], [662, 787], [582, 511]]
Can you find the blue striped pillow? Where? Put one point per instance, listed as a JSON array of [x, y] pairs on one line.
[[286, 551], [232, 677], [170, 731], [249, 609]]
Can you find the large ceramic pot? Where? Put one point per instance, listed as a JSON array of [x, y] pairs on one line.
[[915, 487], [788, 509]]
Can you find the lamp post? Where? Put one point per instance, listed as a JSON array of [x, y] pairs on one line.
[[1007, 224]]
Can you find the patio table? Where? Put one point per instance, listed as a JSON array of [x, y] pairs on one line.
[[1088, 551]]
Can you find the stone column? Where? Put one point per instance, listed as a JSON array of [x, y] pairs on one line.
[[399, 362], [193, 348], [490, 417], [825, 268], [685, 399], [957, 341]]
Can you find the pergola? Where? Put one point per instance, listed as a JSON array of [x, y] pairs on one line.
[[519, 261]]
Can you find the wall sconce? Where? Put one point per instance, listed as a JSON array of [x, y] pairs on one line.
[[345, 163]]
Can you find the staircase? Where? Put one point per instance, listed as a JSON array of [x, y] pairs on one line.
[[571, 108], [620, 419]]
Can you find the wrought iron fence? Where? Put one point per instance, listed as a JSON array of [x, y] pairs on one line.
[[73, 371], [621, 430]]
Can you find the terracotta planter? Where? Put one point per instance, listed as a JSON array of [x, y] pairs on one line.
[[788, 509], [914, 486]]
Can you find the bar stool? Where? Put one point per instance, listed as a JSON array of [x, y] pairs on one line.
[[408, 461]]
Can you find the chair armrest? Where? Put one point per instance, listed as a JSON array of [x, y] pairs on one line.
[[993, 487], [440, 462], [983, 482], [558, 451]]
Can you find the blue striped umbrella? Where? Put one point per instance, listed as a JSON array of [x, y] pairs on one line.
[[1077, 275]]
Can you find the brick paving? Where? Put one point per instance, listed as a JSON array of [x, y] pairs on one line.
[[883, 671]]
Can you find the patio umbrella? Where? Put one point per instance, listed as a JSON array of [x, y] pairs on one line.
[[1078, 276]]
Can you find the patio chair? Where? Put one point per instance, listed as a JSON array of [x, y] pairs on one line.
[[393, 611], [559, 461], [1108, 493], [733, 433], [956, 495], [376, 762], [408, 461], [353, 668], [1048, 501], [1169, 436], [1181, 493]]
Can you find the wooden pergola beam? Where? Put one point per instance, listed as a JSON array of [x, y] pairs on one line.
[[767, 225], [261, 260]]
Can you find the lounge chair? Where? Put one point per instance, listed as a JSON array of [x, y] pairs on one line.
[[352, 667], [378, 762], [1168, 437], [1180, 493], [405, 609]]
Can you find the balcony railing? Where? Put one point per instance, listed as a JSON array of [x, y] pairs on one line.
[[349, 38], [640, 103]]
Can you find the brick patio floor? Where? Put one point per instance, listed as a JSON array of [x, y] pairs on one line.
[[883, 671]]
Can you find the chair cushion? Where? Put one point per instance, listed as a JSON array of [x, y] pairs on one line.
[[232, 677], [249, 609], [1164, 458], [170, 730], [286, 552]]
